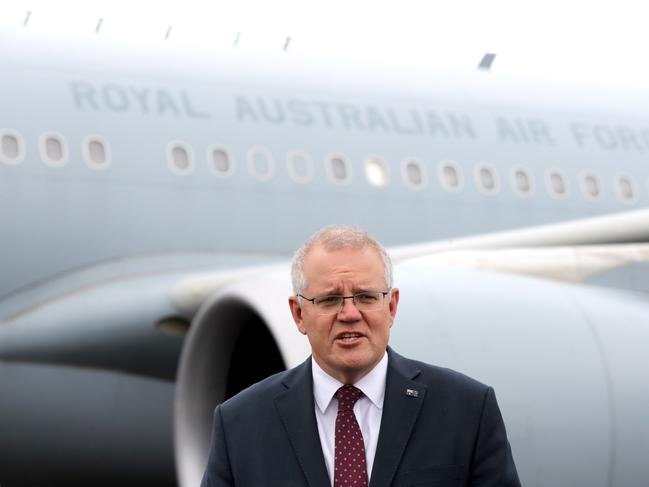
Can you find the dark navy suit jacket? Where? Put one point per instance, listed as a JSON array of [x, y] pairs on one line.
[[448, 432]]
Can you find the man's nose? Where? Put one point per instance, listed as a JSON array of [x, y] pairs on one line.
[[349, 311]]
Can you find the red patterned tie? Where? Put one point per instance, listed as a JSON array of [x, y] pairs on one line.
[[350, 468]]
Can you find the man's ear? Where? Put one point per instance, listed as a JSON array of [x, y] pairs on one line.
[[394, 302], [296, 312]]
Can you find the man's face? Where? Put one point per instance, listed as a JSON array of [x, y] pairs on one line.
[[345, 272]]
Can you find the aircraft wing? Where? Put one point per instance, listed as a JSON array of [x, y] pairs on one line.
[[575, 251], [617, 228]]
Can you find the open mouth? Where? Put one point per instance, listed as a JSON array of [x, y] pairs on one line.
[[348, 337]]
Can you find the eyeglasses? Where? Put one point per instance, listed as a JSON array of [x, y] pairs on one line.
[[332, 304]]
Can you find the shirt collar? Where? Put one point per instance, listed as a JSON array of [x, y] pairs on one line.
[[372, 384]]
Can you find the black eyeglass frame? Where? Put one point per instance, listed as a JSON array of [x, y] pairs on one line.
[[342, 303]]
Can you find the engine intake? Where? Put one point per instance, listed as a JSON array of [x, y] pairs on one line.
[[238, 337]]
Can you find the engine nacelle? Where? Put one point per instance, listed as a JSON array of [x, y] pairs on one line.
[[237, 338]]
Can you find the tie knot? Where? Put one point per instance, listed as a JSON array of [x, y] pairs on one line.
[[347, 397]]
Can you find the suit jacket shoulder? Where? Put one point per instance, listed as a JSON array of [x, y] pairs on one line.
[[440, 425], [267, 435]]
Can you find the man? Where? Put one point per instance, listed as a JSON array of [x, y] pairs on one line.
[[356, 413]]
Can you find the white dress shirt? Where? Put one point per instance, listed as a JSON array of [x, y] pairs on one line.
[[368, 410]]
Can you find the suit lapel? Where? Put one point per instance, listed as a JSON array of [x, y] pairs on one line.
[[401, 406], [296, 406]]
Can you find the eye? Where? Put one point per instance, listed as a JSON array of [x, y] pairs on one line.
[[328, 301], [366, 298]]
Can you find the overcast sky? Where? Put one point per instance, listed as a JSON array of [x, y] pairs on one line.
[[603, 42]]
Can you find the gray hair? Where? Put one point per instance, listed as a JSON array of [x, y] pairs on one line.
[[337, 237]]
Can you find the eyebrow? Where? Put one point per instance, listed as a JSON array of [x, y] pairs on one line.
[[336, 291], [332, 291]]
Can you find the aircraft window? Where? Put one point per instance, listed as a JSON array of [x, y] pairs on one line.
[[413, 173], [590, 186], [338, 169], [12, 148], [625, 189], [376, 172], [96, 152], [556, 184], [261, 163], [220, 160], [451, 176], [54, 150], [522, 181], [300, 166], [487, 179], [180, 158]]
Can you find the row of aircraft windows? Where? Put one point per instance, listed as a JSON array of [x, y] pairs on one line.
[[261, 164]]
